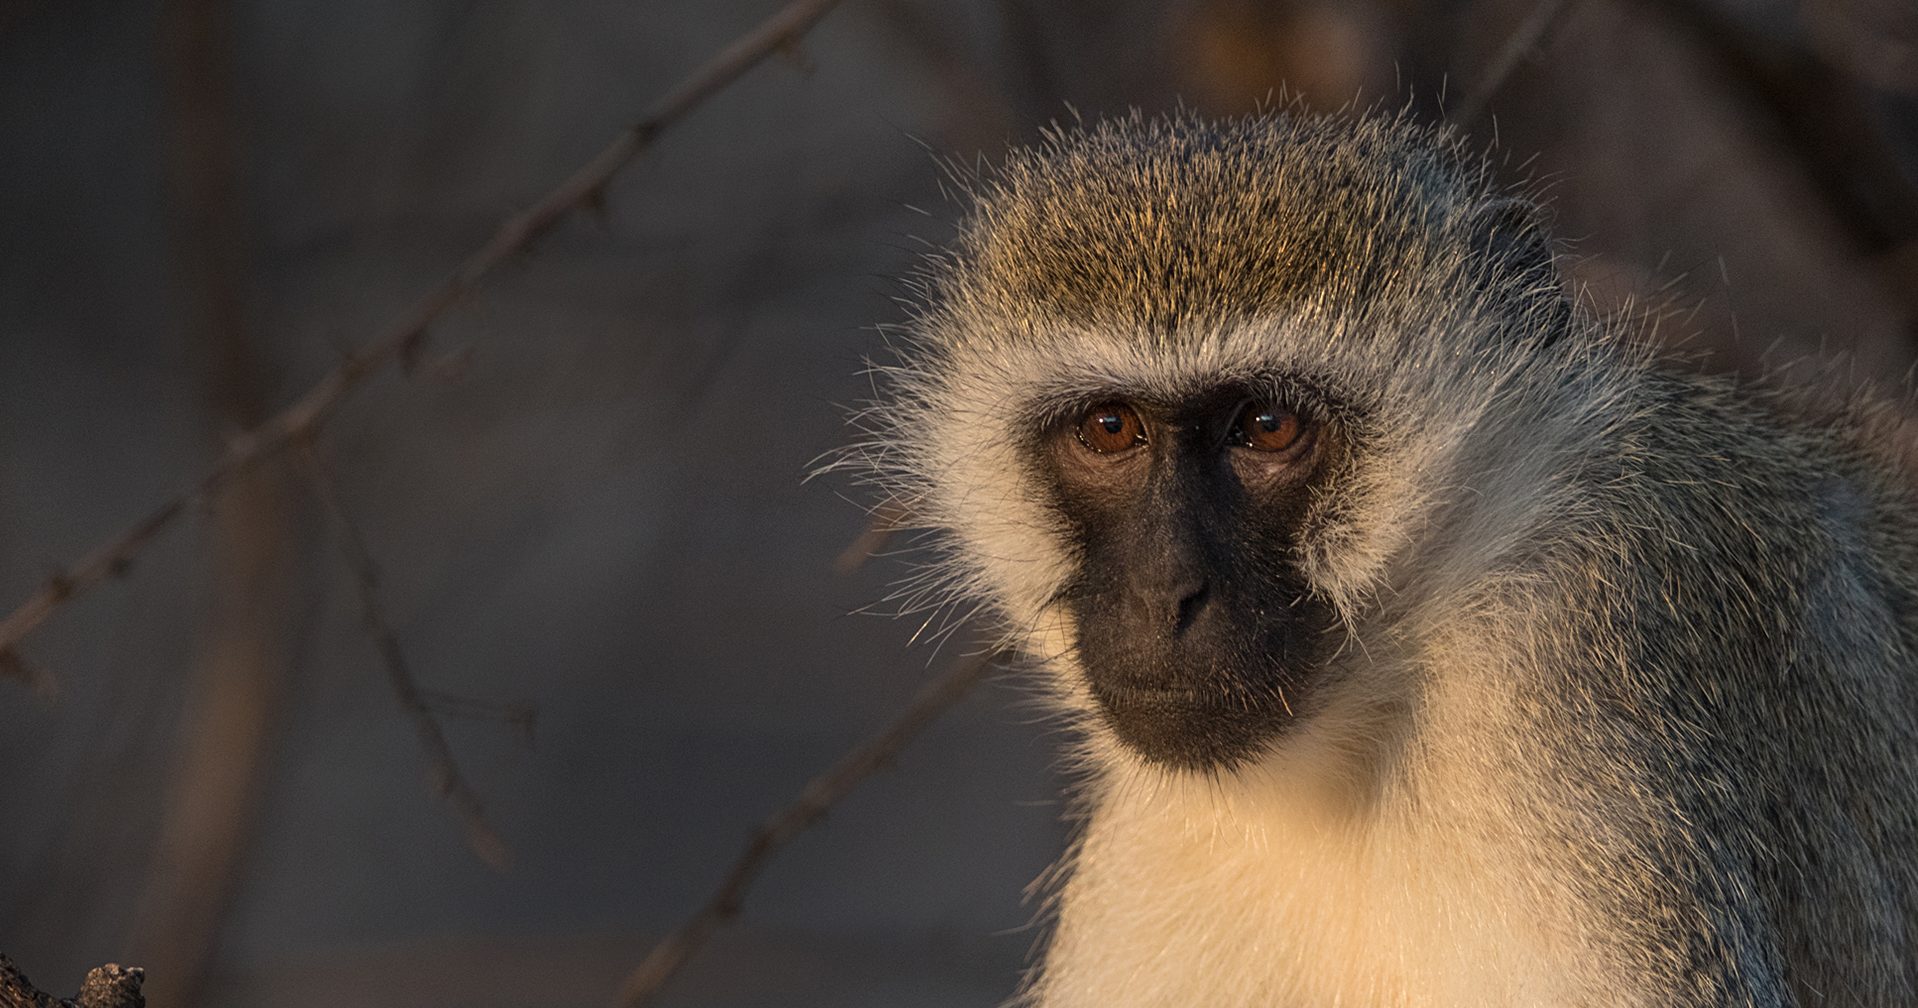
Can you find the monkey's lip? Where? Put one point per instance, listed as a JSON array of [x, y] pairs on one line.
[[1186, 727], [1118, 696]]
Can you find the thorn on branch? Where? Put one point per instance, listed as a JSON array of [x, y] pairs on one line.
[[795, 54], [594, 202], [643, 133], [17, 668], [410, 350]]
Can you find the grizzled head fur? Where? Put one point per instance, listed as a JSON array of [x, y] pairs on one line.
[[1159, 225]]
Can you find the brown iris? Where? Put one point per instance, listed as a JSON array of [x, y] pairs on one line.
[[1111, 427], [1268, 428]]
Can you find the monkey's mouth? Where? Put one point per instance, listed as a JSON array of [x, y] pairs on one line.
[[1192, 727], [1213, 695]]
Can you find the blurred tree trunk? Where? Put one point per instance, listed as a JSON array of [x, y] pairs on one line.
[[235, 701]]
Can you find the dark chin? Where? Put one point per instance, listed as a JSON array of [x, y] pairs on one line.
[[1191, 729]]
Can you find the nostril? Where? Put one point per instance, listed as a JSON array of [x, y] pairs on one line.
[[1189, 607]]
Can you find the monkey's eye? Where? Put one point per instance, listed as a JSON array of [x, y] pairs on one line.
[[1111, 427], [1264, 427]]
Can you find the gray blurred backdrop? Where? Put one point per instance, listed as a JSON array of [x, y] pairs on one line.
[[586, 498]]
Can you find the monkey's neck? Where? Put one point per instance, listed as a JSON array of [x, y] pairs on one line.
[[1322, 905], [1351, 869]]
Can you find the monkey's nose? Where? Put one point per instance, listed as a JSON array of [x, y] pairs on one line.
[[1189, 607], [1170, 609]]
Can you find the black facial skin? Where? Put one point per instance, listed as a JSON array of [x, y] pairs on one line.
[[1198, 635]]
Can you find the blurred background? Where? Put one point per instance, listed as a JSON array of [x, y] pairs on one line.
[[584, 496]]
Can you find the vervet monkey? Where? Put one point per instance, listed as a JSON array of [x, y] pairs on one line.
[[1428, 642]]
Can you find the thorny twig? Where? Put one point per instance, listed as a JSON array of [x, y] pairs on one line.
[[403, 336], [814, 802], [1522, 40], [446, 777]]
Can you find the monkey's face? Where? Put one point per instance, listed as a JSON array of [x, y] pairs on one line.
[[1195, 405], [1194, 628]]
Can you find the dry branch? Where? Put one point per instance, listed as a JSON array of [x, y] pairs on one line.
[[109, 986], [521, 717], [887, 520], [825, 791], [1523, 40], [447, 780], [35, 678], [403, 336]]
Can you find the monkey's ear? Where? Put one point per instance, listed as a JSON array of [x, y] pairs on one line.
[[1512, 237], [1512, 243]]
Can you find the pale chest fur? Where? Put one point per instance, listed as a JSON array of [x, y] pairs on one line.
[[1176, 904], [1279, 888]]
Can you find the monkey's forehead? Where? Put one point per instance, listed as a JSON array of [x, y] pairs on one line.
[[1170, 221]]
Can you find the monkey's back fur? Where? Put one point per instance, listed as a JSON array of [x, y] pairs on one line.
[[1622, 705]]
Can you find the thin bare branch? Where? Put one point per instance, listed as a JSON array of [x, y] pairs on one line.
[[887, 519], [404, 334], [1522, 41], [824, 792], [446, 777], [520, 716]]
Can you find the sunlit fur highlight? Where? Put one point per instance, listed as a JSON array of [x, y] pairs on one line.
[[1621, 710]]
